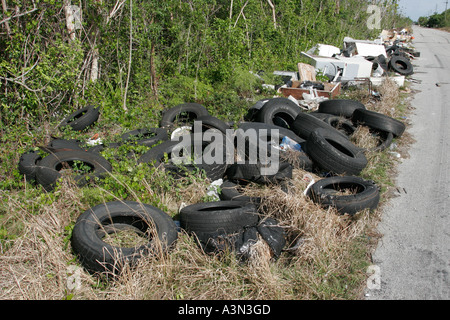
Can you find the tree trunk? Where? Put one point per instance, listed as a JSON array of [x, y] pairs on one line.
[[274, 16], [5, 10], [94, 66], [153, 72], [70, 24]]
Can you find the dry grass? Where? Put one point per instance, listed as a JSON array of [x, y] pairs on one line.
[[326, 256], [39, 265]]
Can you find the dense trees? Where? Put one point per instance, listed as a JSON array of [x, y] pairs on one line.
[[56, 55], [437, 20]]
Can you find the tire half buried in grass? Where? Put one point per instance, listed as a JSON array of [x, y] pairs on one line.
[[156, 229], [81, 119], [83, 166], [333, 153], [347, 194], [206, 219], [379, 121], [28, 163]]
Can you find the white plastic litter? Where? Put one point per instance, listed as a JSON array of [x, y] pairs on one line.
[[213, 189], [293, 100], [307, 177], [181, 132], [289, 144], [94, 142]]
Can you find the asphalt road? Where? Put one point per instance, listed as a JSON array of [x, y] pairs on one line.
[[413, 258]]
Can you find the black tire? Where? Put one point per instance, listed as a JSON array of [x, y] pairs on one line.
[[365, 194], [183, 114], [157, 154], [341, 124], [343, 108], [283, 132], [58, 145], [247, 172], [282, 108], [210, 122], [378, 61], [231, 191], [386, 141], [49, 168], [219, 217], [254, 110], [320, 115], [96, 149], [298, 160], [98, 256], [378, 121], [145, 137], [81, 119], [28, 164], [305, 124], [382, 61], [335, 154], [401, 65]]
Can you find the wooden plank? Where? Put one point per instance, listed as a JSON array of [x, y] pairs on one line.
[[306, 72]]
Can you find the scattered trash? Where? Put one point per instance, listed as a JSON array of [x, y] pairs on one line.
[[395, 154], [386, 56], [308, 178], [289, 144], [94, 140]]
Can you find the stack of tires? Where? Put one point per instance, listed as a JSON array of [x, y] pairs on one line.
[[234, 221], [325, 139], [60, 156], [400, 60]]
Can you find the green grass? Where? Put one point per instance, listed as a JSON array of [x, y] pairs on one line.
[[330, 264]]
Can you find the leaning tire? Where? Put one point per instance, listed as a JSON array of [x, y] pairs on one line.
[[28, 164], [98, 256], [340, 107], [157, 154], [333, 153], [146, 137], [210, 122], [183, 113], [205, 219], [258, 126], [305, 124], [328, 192], [81, 119], [58, 145], [49, 169], [282, 109], [341, 124], [379, 121], [230, 191], [401, 65], [248, 172]]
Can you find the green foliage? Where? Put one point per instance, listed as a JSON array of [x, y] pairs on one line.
[[437, 20]]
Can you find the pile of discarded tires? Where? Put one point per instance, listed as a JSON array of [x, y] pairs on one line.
[[234, 222], [400, 59]]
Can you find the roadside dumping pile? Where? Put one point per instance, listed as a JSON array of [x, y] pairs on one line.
[[245, 153], [358, 62]]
